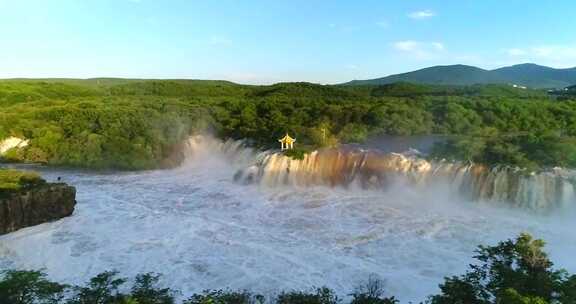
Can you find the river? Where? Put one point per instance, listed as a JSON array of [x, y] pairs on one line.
[[201, 229]]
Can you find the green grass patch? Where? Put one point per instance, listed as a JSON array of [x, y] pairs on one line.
[[297, 153], [13, 180]]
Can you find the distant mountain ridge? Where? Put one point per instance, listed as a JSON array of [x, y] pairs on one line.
[[527, 74]]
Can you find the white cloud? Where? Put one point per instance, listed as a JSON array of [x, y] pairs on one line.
[[556, 55], [516, 52], [422, 14], [422, 50], [220, 41], [555, 51], [407, 45], [438, 46], [351, 66]]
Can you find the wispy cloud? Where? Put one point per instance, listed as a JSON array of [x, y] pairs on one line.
[[406, 46], [425, 14], [515, 52], [382, 24], [421, 50], [221, 41], [437, 46], [558, 55], [344, 28]]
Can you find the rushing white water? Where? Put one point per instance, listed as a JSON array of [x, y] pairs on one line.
[[201, 229], [538, 191]]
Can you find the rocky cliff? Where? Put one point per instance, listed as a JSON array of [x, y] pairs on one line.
[[12, 143], [37, 205]]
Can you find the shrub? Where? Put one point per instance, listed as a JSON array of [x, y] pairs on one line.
[[146, 291], [353, 133], [514, 271], [101, 289], [13, 180], [224, 297], [29, 287], [322, 295], [372, 292], [295, 153]]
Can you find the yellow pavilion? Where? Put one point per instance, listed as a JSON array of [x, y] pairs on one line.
[[287, 142]]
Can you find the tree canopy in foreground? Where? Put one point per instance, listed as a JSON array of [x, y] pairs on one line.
[[515, 271]]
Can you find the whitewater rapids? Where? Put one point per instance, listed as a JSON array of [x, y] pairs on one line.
[[201, 229], [544, 191]]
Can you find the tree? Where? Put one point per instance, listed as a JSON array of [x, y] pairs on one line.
[[29, 287], [353, 133], [514, 271], [322, 295], [322, 135], [146, 291], [371, 293], [224, 297], [102, 289]]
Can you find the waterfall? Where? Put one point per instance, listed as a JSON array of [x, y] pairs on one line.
[[544, 190], [206, 147], [368, 169]]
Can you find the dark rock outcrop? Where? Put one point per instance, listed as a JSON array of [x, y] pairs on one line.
[[37, 205]]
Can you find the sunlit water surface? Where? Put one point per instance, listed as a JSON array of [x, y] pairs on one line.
[[202, 230]]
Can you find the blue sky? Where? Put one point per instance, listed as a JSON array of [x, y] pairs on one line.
[[271, 41]]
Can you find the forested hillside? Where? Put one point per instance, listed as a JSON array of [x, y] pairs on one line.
[[529, 75], [135, 124]]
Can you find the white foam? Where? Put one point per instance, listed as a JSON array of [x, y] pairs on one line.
[[202, 230]]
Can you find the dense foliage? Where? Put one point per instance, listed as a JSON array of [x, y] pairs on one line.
[[136, 124], [527, 75], [12, 180], [529, 151], [568, 93], [96, 131], [512, 272]]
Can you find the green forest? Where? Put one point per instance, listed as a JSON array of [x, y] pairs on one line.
[[516, 271], [130, 124]]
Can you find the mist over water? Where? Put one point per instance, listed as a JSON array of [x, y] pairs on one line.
[[399, 144], [201, 229], [545, 191]]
